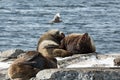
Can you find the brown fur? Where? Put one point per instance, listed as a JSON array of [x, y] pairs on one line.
[[49, 43], [78, 43], [28, 65]]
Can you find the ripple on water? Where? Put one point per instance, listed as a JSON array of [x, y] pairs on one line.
[[22, 22]]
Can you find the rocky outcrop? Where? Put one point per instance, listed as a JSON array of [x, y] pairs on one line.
[[117, 61], [8, 57], [79, 74], [3, 74], [96, 70], [10, 54], [64, 62]]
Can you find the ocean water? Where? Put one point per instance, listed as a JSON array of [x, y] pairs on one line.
[[22, 22]]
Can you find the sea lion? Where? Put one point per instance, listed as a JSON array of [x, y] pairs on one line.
[[78, 43], [49, 42], [29, 64]]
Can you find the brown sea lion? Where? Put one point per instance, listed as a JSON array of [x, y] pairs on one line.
[[49, 42], [29, 64], [78, 43]]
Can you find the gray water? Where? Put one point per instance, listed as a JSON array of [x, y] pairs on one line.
[[22, 22]]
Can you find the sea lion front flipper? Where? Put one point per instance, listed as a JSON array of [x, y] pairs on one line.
[[34, 64], [61, 53], [51, 46]]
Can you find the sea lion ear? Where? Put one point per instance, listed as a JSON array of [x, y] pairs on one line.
[[85, 36]]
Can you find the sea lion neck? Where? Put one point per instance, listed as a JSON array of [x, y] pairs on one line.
[[56, 39]]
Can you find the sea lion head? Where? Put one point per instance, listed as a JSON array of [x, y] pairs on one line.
[[57, 35], [84, 44]]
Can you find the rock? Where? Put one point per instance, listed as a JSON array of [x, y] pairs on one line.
[[7, 58], [95, 72], [79, 74], [63, 63], [117, 62], [10, 54], [3, 74]]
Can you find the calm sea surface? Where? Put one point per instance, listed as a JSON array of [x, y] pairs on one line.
[[22, 22]]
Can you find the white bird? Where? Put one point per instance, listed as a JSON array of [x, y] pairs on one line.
[[56, 19]]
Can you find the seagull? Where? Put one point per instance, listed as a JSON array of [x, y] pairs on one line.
[[56, 19]]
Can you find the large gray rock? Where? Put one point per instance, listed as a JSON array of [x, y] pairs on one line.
[[10, 54], [74, 59], [79, 74], [85, 73], [3, 74], [97, 72]]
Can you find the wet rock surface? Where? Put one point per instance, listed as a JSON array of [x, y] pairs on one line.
[[79, 74], [10, 54], [97, 72], [8, 57], [3, 74], [94, 72]]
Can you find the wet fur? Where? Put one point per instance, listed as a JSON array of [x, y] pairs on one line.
[[49, 42], [78, 43], [29, 64]]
